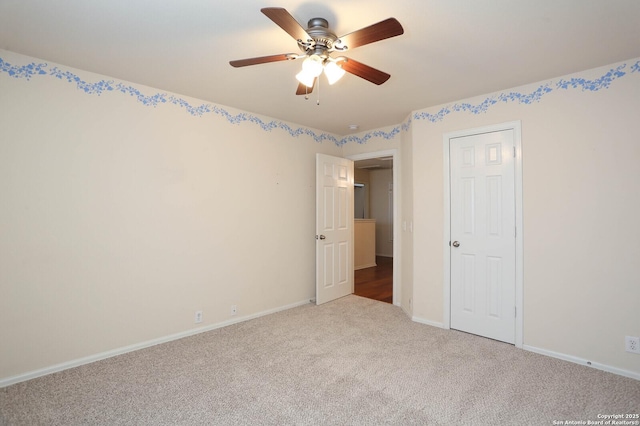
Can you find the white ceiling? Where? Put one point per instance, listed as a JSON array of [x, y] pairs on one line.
[[451, 49]]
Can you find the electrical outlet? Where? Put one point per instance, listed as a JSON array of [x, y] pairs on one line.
[[234, 309], [632, 344], [198, 317]]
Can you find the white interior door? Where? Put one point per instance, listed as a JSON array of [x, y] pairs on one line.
[[483, 239], [334, 228]]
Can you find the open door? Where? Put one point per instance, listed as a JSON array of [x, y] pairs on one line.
[[334, 228]]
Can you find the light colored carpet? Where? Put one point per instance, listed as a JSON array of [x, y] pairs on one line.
[[353, 361]]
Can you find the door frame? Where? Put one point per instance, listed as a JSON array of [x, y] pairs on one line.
[[516, 126], [396, 211]]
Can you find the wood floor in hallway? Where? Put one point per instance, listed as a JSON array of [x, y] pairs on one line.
[[376, 282]]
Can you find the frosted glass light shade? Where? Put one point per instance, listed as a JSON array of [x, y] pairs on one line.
[[306, 78], [312, 65], [333, 71]]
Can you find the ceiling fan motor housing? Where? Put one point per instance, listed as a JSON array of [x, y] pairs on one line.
[[322, 38]]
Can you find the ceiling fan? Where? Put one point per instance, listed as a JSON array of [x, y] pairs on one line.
[[317, 42]]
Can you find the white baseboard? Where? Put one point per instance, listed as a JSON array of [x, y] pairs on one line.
[[581, 361], [100, 356], [427, 322], [368, 265], [564, 357], [4, 382], [406, 312]]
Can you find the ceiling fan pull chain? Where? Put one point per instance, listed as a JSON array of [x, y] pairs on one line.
[[318, 101]]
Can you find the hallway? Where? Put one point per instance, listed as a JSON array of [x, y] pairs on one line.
[[376, 282]]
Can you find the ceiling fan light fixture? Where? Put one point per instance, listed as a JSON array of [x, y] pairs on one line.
[[306, 78], [333, 71], [313, 65], [311, 69], [318, 41]]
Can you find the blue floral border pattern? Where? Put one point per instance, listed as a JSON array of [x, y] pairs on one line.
[[102, 86], [97, 88], [600, 83]]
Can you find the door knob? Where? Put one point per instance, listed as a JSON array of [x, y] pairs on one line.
[[321, 237], [456, 244]]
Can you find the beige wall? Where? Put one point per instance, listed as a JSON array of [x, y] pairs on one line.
[[361, 195], [379, 195], [361, 175], [120, 220], [581, 199]]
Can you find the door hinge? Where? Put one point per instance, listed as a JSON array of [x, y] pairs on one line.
[[515, 311], [515, 232], [514, 152]]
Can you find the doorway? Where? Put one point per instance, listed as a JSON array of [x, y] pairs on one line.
[[483, 245], [378, 278], [375, 282]]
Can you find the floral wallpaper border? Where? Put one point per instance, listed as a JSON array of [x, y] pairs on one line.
[[34, 69]]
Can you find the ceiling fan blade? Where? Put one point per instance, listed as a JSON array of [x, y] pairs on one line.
[[364, 71], [376, 32], [284, 20], [261, 60], [304, 90]]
